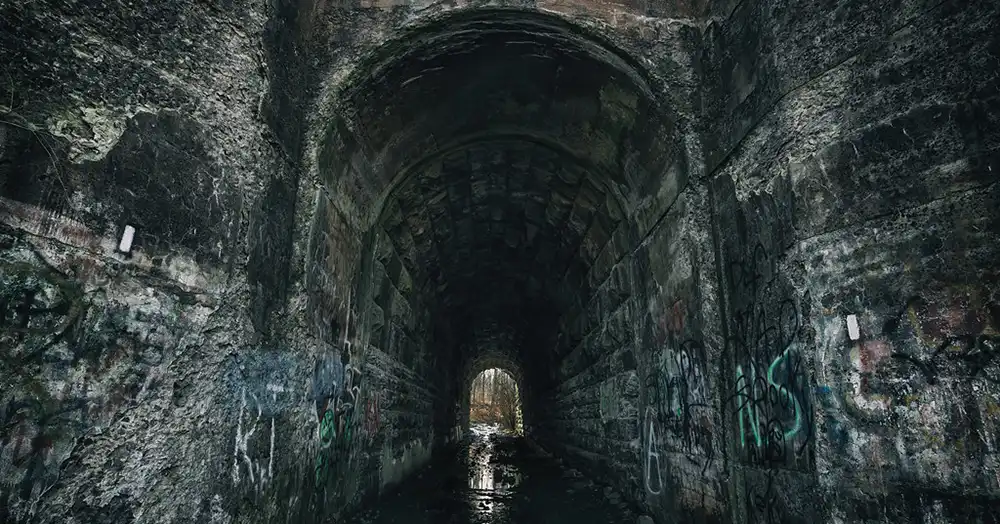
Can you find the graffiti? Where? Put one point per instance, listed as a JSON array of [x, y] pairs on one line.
[[678, 390], [865, 357], [757, 393], [260, 400], [771, 386], [257, 473], [68, 363], [372, 416], [835, 428], [749, 277], [955, 328], [336, 391], [943, 335], [653, 473], [328, 427], [38, 308], [762, 501], [687, 386], [335, 423]]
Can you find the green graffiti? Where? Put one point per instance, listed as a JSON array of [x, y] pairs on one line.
[[331, 441], [327, 436], [321, 469], [746, 394], [327, 429], [346, 434], [786, 394]]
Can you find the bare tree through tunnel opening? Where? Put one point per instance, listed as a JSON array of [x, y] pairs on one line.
[[495, 399]]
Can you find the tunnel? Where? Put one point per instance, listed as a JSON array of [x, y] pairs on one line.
[[737, 259], [500, 213], [495, 162]]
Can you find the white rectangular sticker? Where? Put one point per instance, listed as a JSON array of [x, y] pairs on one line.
[[852, 327], [126, 243]]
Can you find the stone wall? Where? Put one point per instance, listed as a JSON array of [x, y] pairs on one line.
[[851, 164], [115, 405]]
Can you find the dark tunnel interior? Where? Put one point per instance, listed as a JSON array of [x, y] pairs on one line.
[[503, 157]]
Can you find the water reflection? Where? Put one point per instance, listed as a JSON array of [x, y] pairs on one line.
[[482, 477], [480, 457], [498, 479], [487, 470]]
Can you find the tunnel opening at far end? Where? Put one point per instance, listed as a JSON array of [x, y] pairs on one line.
[[495, 400]]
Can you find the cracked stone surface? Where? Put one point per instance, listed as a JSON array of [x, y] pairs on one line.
[[660, 218]]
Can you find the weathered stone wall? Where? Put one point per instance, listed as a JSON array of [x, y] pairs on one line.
[[163, 386], [851, 153], [638, 397]]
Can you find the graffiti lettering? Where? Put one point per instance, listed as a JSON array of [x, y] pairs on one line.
[[865, 356], [257, 473], [775, 393], [335, 403], [952, 328], [259, 399], [771, 386], [334, 432], [679, 392], [654, 475]]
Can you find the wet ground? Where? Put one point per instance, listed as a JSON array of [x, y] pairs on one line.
[[498, 479]]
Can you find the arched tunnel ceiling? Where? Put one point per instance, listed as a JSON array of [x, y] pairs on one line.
[[508, 219], [474, 76], [504, 153]]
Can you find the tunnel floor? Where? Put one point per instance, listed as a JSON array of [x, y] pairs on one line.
[[498, 479]]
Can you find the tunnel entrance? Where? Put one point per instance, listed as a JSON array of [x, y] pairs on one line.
[[494, 399]]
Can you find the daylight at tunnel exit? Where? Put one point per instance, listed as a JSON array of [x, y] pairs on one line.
[[499, 262]]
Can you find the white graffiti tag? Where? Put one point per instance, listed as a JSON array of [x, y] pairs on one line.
[[652, 456], [244, 434]]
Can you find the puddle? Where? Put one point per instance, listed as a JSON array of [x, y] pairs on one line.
[[489, 468], [494, 478]]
